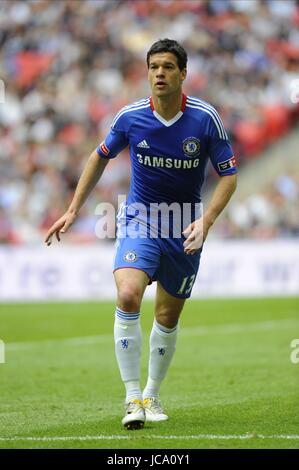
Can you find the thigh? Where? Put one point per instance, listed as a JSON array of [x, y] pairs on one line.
[[135, 264], [134, 279]]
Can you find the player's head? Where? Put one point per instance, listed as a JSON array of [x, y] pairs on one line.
[[172, 46], [166, 62]]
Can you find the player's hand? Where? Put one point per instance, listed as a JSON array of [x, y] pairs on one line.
[[60, 226], [195, 234]]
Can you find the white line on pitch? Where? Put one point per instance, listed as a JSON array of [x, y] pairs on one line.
[[190, 331], [120, 437]]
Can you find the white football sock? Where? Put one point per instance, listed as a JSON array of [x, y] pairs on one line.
[[127, 337], [162, 347]]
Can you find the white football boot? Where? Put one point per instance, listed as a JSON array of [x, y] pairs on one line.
[[154, 410], [134, 416]]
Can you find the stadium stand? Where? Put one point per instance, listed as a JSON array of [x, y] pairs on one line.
[[265, 205], [69, 66]]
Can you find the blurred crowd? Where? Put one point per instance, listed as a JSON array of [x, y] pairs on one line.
[[270, 213], [69, 66]]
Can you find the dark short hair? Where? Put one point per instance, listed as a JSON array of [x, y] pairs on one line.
[[169, 45]]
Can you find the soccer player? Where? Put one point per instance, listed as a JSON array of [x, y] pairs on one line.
[[171, 137]]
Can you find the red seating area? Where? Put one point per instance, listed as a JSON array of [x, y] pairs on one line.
[[253, 137]]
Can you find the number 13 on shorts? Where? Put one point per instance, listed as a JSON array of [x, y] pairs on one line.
[[187, 284]]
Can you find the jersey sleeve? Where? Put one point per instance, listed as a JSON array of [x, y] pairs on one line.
[[219, 147], [117, 138]]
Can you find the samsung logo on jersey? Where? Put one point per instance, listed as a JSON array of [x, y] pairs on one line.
[[163, 162]]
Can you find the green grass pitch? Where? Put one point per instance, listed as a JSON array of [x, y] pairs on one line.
[[231, 384]]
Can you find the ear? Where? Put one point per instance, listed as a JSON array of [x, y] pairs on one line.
[[183, 74]]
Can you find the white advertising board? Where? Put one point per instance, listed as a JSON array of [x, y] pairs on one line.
[[79, 272]]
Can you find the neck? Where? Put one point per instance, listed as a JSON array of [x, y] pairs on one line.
[[168, 106]]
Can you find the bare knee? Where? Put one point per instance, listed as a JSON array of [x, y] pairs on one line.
[[129, 298], [167, 317]]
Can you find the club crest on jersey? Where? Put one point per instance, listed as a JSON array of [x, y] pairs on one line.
[[191, 146], [130, 256]]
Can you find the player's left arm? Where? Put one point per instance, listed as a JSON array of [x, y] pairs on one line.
[[198, 230], [223, 159]]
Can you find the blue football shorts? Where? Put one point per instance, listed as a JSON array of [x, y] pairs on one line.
[[162, 259]]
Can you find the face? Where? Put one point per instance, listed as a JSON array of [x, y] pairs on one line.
[[164, 75]]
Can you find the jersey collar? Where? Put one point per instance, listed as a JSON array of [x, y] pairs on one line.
[[175, 118]]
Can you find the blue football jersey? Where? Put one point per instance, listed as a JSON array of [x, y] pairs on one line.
[[169, 157]]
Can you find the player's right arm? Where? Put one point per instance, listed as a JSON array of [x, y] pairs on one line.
[[91, 174], [114, 143]]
